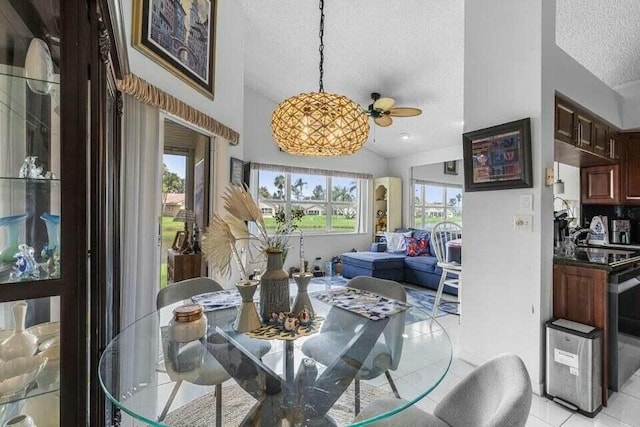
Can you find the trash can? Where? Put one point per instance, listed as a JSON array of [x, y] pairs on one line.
[[574, 366]]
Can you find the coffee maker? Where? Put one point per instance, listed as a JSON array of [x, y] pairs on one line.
[[620, 231]]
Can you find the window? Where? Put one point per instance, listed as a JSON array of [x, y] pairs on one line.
[[434, 202], [330, 203]]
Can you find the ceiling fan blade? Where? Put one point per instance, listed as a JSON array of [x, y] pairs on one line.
[[405, 112], [383, 121], [384, 104]]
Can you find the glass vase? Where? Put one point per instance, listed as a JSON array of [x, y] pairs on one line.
[[52, 222], [12, 224]]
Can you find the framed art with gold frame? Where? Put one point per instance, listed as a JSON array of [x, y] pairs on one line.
[[187, 51]]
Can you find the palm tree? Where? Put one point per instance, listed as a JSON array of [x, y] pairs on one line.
[[298, 187], [318, 193], [263, 193], [279, 183]]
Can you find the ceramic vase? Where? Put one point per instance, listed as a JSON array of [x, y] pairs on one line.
[[302, 301], [274, 286], [247, 318], [20, 421], [12, 224], [20, 343]]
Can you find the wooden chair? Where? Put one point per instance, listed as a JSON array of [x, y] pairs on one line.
[[442, 233]]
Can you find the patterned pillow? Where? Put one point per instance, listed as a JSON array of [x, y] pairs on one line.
[[416, 247]]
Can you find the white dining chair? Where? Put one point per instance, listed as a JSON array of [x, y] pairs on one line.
[[442, 233]]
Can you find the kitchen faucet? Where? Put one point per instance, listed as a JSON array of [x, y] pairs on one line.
[[578, 233]]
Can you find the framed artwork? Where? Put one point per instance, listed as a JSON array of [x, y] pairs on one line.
[[451, 167], [180, 241], [236, 171], [199, 194], [180, 36], [498, 157]]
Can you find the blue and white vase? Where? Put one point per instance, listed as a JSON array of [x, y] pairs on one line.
[[12, 224]]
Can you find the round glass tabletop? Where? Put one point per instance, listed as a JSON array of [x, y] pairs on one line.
[[229, 378]]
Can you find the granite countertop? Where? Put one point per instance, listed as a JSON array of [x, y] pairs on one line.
[[602, 258]]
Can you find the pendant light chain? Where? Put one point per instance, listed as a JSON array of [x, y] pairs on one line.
[[321, 48]]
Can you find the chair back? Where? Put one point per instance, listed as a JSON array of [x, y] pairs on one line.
[[186, 289], [395, 329], [496, 394], [442, 233]]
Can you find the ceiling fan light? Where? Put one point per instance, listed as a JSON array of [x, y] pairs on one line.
[[319, 124]]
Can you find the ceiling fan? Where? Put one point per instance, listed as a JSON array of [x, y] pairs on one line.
[[382, 109]]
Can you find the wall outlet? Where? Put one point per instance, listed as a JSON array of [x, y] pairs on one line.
[[523, 223]]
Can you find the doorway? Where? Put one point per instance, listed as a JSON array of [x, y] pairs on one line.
[[185, 189]]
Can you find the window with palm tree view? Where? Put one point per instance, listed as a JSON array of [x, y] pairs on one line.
[[329, 203], [434, 202]]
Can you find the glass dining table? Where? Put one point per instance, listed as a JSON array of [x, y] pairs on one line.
[[275, 382]]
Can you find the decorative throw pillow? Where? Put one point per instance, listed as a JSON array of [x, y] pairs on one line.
[[416, 247], [395, 241]]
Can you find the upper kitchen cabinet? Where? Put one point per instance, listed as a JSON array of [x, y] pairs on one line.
[[630, 149], [566, 122], [585, 131], [601, 185], [601, 139]]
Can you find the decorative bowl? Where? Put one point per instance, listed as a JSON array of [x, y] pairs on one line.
[[45, 331], [49, 343], [17, 374]]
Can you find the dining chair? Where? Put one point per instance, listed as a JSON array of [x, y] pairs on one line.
[[211, 371], [340, 326], [496, 394], [442, 233]]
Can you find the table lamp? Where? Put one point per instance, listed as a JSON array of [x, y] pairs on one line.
[[188, 217]]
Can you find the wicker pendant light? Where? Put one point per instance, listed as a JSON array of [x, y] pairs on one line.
[[320, 123]]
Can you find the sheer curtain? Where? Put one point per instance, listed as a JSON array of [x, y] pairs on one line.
[[141, 204]]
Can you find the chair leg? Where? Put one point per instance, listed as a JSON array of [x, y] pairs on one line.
[[218, 405], [170, 401], [356, 383], [436, 303], [392, 385]]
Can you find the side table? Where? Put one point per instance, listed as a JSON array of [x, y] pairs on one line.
[[183, 266]]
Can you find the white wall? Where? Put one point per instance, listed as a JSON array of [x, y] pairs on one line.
[[630, 105], [504, 300], [260, 147], [435, 173]]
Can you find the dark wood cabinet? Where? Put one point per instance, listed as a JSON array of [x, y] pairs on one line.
[[183, 266], [566, 122], [630, 147], [601, 139], [580, 295], [601, 185], [585, 131]]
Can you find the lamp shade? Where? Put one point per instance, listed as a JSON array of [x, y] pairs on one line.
[[185, 215], [319, 124]]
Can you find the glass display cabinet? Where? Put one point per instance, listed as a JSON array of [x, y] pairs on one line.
[[54, 118]]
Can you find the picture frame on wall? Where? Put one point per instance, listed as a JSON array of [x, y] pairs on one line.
[[451, 167], [498, 157], [184, 45], [236, 171]]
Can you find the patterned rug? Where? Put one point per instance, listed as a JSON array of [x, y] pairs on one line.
[[201, 412], [421, 298]]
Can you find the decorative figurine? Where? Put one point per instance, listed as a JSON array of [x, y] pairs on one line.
[[291, 323], [305, 318], [195, 240], [30, 170], [26, 265]]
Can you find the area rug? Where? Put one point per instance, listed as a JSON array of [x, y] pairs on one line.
[[417, 297], [201, 412]]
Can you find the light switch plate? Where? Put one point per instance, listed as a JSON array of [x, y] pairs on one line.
[[549, 176], [526, 202], [523, 223]]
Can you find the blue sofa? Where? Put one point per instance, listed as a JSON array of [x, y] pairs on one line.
[[420, 270]]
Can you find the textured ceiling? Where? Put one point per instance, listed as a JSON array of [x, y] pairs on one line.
[[411, 50], [602, 35]]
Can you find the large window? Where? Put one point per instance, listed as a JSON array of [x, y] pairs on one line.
[[435, 202], [330, 203]]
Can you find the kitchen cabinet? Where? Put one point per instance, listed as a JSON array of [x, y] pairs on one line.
[[585, 125], [601, 185], [601, 139], [630, 145], [580, 295], [566, 121]]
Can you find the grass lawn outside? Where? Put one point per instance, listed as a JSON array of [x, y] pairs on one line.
[[318, 223]]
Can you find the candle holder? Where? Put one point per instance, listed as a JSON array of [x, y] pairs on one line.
[[247, 319], [302, 301]]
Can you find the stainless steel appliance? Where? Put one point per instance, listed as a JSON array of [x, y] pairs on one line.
[[574, 365], [620, 231]]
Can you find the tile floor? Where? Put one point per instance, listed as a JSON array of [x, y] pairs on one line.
[[623, 409]]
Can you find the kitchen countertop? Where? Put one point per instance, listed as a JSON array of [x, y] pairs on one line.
[[602, 258]]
